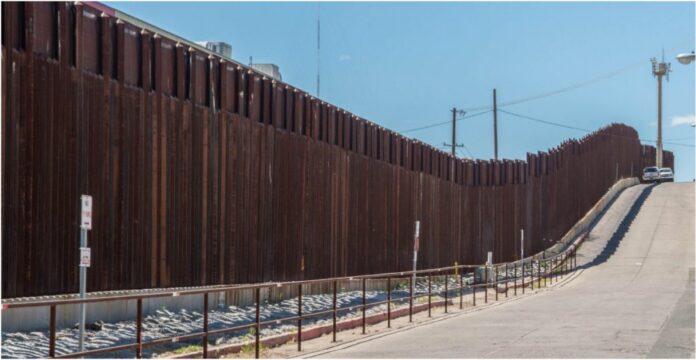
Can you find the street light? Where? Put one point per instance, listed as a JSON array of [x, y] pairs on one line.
[[686, 58]]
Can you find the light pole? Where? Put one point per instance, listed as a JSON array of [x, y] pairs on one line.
[[659, 70]]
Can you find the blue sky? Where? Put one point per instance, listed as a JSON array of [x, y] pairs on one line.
[[405, 65]]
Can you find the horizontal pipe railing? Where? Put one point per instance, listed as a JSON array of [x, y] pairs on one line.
[[553, 265]]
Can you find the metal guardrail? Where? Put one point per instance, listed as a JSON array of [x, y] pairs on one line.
[[553, 267]]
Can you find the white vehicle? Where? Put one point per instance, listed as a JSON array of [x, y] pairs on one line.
[[666, 175], [651, 174]]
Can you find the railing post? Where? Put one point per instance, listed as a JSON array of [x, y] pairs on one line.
[[139, 329], [258, 320], [429, 293], [539, 272], [473, 288], [485, 285], [205, 325], [514, 279], [388, 302], [52, 334], [334, 311], [531, 272], [496, 283], [299, 317], [461, 290], [410, 299], [575, 258], [522, 276], [364, 306], [507, 281], [550, 271], [446, 279]]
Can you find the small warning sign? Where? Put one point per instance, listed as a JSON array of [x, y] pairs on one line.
[[86, 218], [85, 257]]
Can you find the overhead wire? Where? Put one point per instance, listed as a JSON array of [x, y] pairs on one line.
[[552, 123], [445, 122]]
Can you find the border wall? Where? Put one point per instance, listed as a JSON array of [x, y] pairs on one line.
[[205, 172]]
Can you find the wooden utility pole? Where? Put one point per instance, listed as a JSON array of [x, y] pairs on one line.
[[454, 144], [495, 126], [454, 131]]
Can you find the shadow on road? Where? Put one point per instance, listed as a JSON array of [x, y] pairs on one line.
[[621, 230]]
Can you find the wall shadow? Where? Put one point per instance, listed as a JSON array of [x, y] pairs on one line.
[[621, 230]]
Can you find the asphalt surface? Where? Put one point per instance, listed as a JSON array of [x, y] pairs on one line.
[[633, 296]]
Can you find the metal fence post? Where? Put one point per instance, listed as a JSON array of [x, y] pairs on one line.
[[551, 271], [446, 280], [507, 281], [523, 276], [485, 285], [496, 283], [461, 290], [52, 334], [334, 311], [139, 329], [429, 293], [473, 288], [514, 279], [531, 273], [258, 320], [410, 299], [205, 325], [299, 317], [388, 302], [364, 306]]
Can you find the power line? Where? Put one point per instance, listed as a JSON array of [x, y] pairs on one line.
[[444, 122], [563, 89], [488, 108], [582, 129]]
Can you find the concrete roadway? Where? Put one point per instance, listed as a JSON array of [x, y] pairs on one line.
[[633, 296]]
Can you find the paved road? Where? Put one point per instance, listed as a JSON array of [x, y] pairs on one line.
[[633, 298]]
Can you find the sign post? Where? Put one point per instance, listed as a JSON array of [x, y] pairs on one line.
[[85, 258], [416, 243]]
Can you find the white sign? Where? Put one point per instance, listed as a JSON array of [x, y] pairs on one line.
[[86, 218], [416, 237], [85, 256]]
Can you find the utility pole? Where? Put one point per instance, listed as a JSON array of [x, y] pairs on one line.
[[318, 45], [495, 126], [659, 70], [454, 144]]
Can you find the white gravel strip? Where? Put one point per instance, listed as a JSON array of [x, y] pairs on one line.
[[169, 323]]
